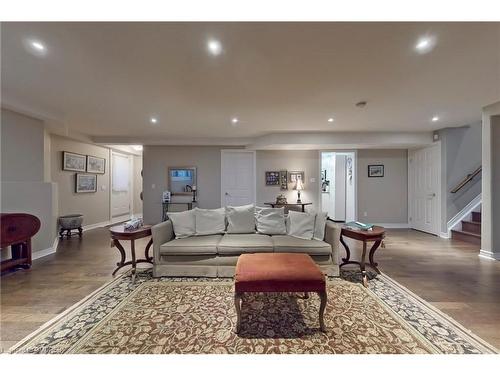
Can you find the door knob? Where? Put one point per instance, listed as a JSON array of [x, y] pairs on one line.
[[431, 195], [227, 193]]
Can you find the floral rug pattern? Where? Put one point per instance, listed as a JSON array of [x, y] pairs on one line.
[[187, 315]]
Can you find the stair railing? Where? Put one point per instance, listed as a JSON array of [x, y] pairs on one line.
[[467, 179]]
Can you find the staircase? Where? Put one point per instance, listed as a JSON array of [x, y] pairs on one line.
[[471, 230]]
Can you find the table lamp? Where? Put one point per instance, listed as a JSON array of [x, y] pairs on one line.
[[298, 186]]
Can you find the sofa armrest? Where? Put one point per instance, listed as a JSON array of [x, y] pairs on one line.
[[332, 236], [162, 233]]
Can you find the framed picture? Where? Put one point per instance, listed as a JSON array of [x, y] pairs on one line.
[[273, 178], [96, 165], [86, 183], [283, 180], [293, 176], [73, 162], [376, 170]]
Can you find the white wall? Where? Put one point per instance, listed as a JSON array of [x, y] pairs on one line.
[[385, 200]]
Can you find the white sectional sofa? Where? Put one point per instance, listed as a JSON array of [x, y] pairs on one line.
[[215, 255]]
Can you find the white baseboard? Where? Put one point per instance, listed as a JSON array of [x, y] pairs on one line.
[[445, 235], [393, 225], [489, 255], [45, 252], [96, 225]]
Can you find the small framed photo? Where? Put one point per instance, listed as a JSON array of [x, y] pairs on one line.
[[376, 170], [73, 162], [86, 183], [96, 165], [272, 178], [283, 180], [295, 175]]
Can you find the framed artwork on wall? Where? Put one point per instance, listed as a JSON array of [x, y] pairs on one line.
[[73, 162], [85, 183], [272, 178], [293, 176], [96, 164], [376, 170], [283, 180]]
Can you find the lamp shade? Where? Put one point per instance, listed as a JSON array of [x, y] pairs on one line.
[[298, 185]]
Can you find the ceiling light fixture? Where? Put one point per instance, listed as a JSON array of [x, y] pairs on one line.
[[37, 45], [153, 120], [330, 119], [425, 44], [435, 119], [234, 120], [214, 47]]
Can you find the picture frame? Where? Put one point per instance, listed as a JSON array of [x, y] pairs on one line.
[[74, 162], [96, 164], [376, 170], [85, 183], [284, 180], [294, 175], [272, 178]]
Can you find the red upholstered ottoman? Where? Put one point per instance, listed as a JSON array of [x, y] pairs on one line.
[[278, 272]]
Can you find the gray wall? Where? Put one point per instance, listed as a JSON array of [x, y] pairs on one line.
[[157, 159], [307, 161], [23, 189], [385, 200], [461, 154], [137, 185]]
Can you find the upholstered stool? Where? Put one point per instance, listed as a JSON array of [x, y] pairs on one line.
[[278, 272]]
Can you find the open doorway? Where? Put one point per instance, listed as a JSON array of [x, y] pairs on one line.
[[338, 185]]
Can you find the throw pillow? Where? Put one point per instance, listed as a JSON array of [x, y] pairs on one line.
[[270, 220], [241, 219], [319, 226], [210, 221], [184, 223], [301, 224]]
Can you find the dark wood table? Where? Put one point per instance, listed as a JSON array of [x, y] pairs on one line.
[[118, 233], [288, 205], [375, 235]]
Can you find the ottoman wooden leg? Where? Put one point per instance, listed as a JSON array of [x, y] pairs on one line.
[[237, 304], [322, 307]]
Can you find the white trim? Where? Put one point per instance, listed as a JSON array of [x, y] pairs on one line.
[[43, 253], [463, 213], [254, 154], [489, 255], [118, 219], [445, 235], [393, 225]]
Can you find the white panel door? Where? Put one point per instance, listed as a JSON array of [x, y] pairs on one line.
[[424, 168], [237, 177], [340, 191], [120, 185]]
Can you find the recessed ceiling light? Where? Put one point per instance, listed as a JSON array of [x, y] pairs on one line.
[[153, 120], [214, 47], [137, 147], [435, 118], [425, 44], [330, 119], [234, 120], [37, 45]]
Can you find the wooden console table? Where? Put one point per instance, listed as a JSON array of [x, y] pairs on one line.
[[288, 205], [118, 233], [16, 232], [375, 235]]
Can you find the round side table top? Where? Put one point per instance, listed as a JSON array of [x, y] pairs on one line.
[[364, 234], [119, 231]]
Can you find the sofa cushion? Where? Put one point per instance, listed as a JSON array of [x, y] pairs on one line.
[[191, 245], [319, 226], [183, 223], [240, 219], [245, 243], [301, 224], [289, 244], [210, 221], [270, 220]]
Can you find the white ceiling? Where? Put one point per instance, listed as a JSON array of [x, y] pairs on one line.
[[107, 79]]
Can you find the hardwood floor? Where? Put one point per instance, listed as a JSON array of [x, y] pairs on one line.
[[446, 273]]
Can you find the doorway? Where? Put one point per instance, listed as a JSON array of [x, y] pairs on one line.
[[237, 177], [338, 185], [424, 188], [121, 172]]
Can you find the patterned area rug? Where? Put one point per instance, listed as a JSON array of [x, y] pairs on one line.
[[181, 315]]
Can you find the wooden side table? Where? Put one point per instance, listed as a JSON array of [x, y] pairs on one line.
[[288, 205], [118, 233], [376, 235]]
